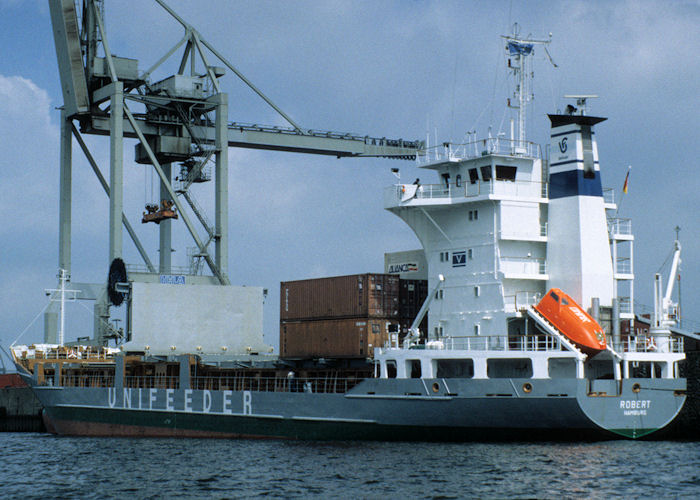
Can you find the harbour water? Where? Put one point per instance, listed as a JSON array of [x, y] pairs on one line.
[[45, 466]]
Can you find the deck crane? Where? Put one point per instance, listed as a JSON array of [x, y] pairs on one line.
[[665, 310], [181, 119]]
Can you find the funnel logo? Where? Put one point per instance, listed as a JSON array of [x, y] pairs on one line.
[[562, 145]]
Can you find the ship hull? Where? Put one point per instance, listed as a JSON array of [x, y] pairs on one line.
[[377, 409]]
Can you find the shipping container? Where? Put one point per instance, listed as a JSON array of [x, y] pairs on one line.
[[354, 296], [412, 294], [335, 338]]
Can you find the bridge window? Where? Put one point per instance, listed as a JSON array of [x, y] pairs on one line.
[[473, 176], [446, 179], [486, 173], [455, 368], [505, 173], [458, 180]]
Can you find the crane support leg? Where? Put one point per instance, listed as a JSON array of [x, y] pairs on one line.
[[165, 226], [116, 167], [65, 184], [221, 182]]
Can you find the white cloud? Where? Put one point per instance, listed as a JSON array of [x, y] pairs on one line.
[[29, 143]]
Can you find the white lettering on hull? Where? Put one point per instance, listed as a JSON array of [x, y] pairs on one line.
[[164, 400], [628, 404], [227, 402], [169, 399], [152, 398], [633, 407], [247, 403], [206, 401], [188, 400]]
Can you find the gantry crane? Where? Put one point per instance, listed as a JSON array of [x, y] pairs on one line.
[[182, 119]]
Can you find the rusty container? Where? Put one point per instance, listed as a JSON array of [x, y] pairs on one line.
[[353, 296], [334, 338]]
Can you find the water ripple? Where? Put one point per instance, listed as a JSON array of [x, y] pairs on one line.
[[43, 466]]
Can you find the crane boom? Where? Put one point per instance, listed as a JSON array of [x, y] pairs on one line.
[[275, 138], [674, 270]]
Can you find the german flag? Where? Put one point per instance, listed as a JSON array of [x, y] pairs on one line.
[[627, 178]]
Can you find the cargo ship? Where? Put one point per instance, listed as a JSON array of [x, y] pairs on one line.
[[506, 233]]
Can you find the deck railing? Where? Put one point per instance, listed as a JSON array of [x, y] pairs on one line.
[[649, 343], [523, 265], [476, 149], [503, 343], [326, 385], [399, 193], [152, 382], [537, 343], [620, 226], [521, 300], [87, 380]]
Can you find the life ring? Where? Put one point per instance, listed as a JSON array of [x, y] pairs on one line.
[[650, 343]]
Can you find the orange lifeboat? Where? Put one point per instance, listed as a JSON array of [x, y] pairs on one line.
[[571, 320]]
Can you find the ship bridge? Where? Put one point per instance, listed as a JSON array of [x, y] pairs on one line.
[[487, 169]]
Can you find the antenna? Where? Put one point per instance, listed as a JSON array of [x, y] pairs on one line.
[[520, 51], [63, 278], [580, 102]]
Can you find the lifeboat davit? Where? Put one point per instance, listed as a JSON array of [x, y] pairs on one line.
[[572, 321]]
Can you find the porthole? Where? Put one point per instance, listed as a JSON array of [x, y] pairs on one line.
[[527, 387], [436, 387], [636, 388]]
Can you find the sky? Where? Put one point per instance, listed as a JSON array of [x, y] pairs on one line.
[[397, 69]]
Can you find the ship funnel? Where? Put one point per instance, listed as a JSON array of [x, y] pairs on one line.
[[578, 251]]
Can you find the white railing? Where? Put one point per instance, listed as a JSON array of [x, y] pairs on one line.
[[475, 149], [140, 268], [53, 351], [609, 195], [521, 300], [524, 233], [650, 344], [398, 193], [620, 226], [623, 266], [523, 265], [625, 305], [523, 343]]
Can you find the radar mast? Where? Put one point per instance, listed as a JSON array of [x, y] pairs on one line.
[[520, 51]]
